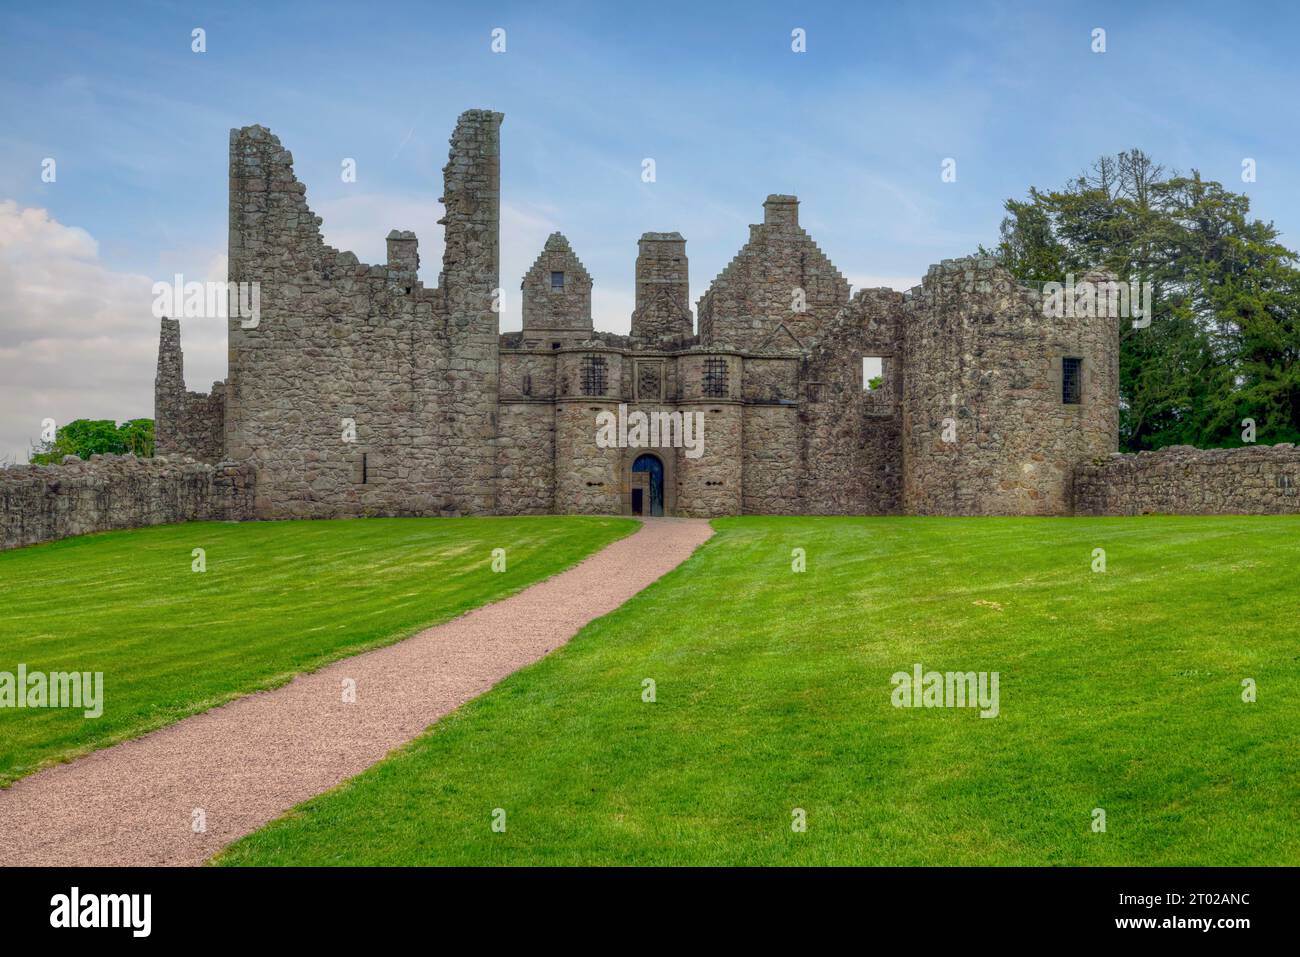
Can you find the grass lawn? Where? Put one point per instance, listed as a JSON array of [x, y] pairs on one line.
[[1119, 690], [277, 598]]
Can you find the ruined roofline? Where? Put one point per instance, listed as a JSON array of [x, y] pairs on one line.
[[269, 143], [948, 270]]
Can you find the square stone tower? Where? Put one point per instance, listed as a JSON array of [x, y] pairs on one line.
[[663, 294]]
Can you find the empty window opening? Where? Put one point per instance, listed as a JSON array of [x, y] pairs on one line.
[[1071, 380], [365, 469], [557, 280], [555, 345], [594, 375], [873, 373], [715, 378]]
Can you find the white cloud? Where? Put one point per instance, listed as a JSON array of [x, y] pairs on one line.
[[77, 339], [611, 309]]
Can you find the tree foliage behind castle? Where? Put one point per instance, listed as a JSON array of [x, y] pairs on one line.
[[1224, 344], [86, 437]]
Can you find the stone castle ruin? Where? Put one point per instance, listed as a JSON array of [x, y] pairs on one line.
[[360, 391], [955, 398]]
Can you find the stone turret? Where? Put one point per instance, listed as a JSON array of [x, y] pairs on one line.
[[663, 294]]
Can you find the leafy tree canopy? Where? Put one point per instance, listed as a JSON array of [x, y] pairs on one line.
[[1224, 340], [87, 437]]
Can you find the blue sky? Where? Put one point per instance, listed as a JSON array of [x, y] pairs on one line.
[[857, 127]]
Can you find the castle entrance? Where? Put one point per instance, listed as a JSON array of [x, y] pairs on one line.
[[648, 493]]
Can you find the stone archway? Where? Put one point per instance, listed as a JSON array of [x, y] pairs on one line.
[[648, 497]]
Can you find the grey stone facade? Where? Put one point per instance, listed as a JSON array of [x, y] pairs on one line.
[[450, 417], [556, 297], [981, 356], [360, 391]]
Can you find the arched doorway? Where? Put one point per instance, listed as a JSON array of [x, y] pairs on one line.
[[654, 469]]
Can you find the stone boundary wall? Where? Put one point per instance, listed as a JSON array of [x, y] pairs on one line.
[[42, 503], [1182, 480]]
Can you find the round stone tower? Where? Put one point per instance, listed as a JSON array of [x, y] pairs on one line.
[[1005, 391]]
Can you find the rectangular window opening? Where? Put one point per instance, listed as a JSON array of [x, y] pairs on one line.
[[715, 378], [557, 280], [365, 473], [1072, 380], [873, 373], [594, 375]]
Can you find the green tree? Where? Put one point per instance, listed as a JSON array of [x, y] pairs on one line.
[[137, 437], [87, 437], [1224, 338]]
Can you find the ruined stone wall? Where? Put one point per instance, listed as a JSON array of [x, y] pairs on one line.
[[525, 458], [1181, 480], [851, 453], [185, 423], [362, 392], [980, 352], [468, 285], [770, 479], [752, 303], [771, 469], [342, 346], [42, 503], [527, 374], [712, 484], [569, 373], [588, 479]]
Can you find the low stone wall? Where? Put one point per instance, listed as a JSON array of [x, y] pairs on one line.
[[1181, 480], [41, 503]]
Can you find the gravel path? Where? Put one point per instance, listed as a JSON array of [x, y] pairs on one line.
[[249, 761]]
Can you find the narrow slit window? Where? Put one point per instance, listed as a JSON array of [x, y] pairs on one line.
[[1071, 380], [365, 471]]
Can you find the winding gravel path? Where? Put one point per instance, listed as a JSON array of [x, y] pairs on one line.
[[251, 760]]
